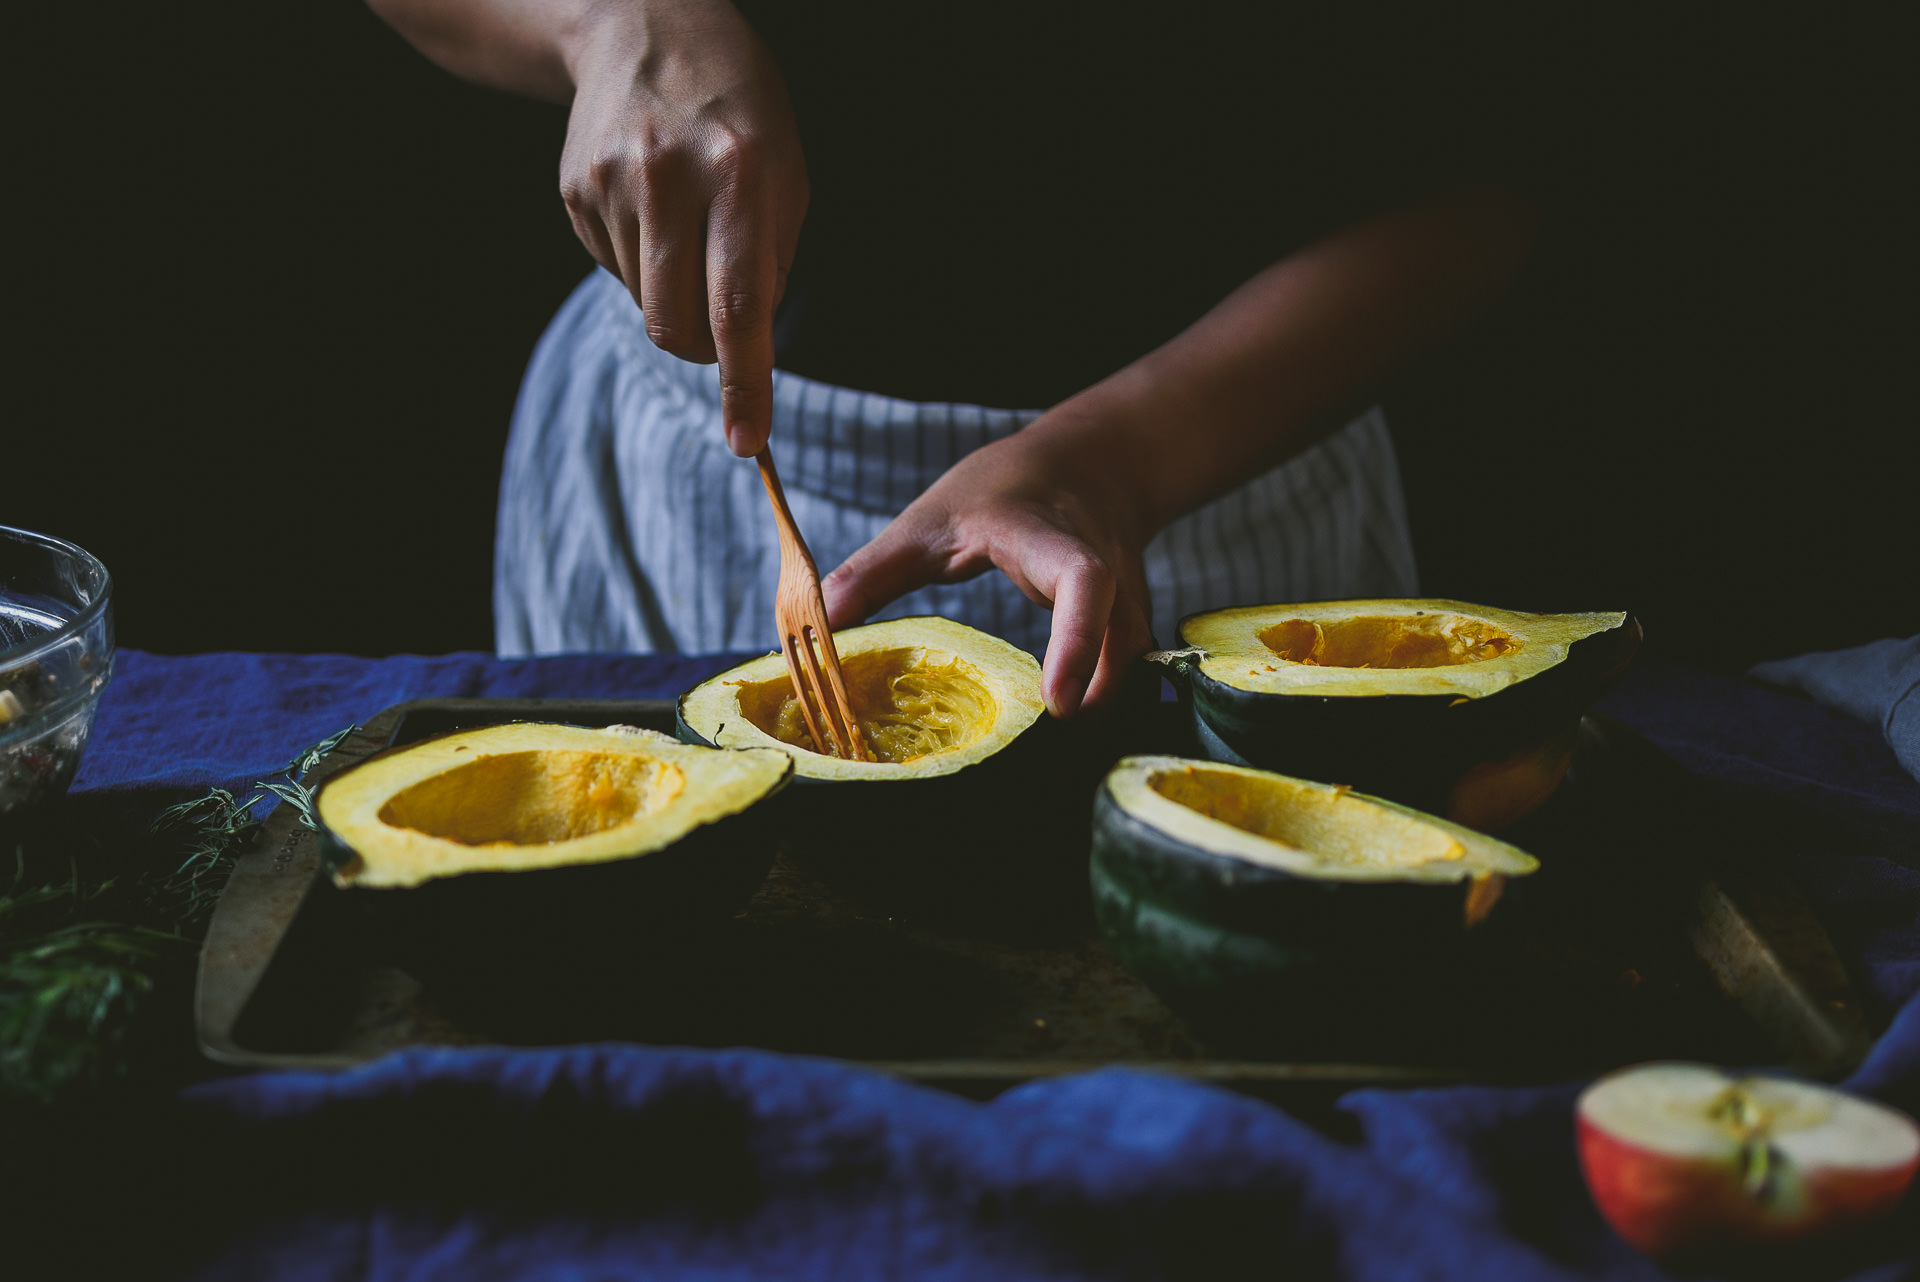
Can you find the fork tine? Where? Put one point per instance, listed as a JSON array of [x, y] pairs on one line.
[[841, 710], [837, 712], [817, 690], [802, 692], [834, 717]]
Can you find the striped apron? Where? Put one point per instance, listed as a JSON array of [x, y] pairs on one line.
[[625, 524]]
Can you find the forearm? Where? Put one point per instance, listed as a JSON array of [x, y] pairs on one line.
[[1282, 360], [517, 45], [536, 47]]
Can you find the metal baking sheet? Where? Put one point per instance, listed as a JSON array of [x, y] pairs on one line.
[[1662, 932]]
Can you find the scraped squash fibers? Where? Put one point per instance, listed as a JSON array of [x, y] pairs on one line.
[[911, 702], [533, 798]]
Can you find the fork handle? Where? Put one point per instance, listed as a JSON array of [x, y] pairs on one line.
[[775, 491]]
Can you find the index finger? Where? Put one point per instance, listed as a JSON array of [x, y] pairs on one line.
[[1083, 600], [742, 272]]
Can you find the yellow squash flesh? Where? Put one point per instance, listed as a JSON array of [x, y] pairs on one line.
[[932, 697], [525, 796], [1315, 830], [1357, 649]]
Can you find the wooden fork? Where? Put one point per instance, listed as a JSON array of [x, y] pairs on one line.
[[801, 617]]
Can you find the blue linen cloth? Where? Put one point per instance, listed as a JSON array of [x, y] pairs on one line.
[[1878, 683], [622, 1161]]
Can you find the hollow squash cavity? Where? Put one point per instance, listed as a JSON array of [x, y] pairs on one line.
[[1408, 641], [535, 797], [1327, 826], [911, 702]]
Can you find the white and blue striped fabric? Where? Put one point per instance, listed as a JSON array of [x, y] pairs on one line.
[[625, 524]]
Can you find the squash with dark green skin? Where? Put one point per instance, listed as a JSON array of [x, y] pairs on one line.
[[535, 836], [1270, 911], [1465, 711], [987, 807]]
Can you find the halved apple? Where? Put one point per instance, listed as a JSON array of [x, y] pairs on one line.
[[1683, 1159]]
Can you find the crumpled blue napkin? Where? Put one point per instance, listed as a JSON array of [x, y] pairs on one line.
[[1878, 682]]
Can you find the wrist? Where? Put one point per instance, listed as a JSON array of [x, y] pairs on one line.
[[594, 33], [661, 39], [1099, 447]]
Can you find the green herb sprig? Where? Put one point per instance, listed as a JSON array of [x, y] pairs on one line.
[[80, 959], [215, 828]]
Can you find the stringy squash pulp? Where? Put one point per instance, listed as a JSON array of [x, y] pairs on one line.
[[524, 796], [932, 696], [911, 703]]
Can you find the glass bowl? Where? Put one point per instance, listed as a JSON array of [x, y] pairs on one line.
[[56, 656]]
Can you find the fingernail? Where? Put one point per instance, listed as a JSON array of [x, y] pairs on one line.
[[1062, 705]]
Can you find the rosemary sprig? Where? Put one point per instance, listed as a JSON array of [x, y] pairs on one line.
[[214, 828], [80, 959], [67, 998]]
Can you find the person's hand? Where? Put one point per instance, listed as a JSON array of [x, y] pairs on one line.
[[1036, 507], [684, 177]]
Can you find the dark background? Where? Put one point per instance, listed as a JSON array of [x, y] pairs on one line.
[[272, 281]]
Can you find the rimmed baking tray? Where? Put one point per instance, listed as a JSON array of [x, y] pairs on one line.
[[1662, 931]]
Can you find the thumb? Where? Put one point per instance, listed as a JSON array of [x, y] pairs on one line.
[[905, 556]]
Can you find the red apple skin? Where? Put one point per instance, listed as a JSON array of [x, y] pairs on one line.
[[1665, 1206]]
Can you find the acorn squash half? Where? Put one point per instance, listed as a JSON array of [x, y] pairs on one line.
[[551, 832], [932, 696], [1267, 909], [1466, 711], [966, 801]]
